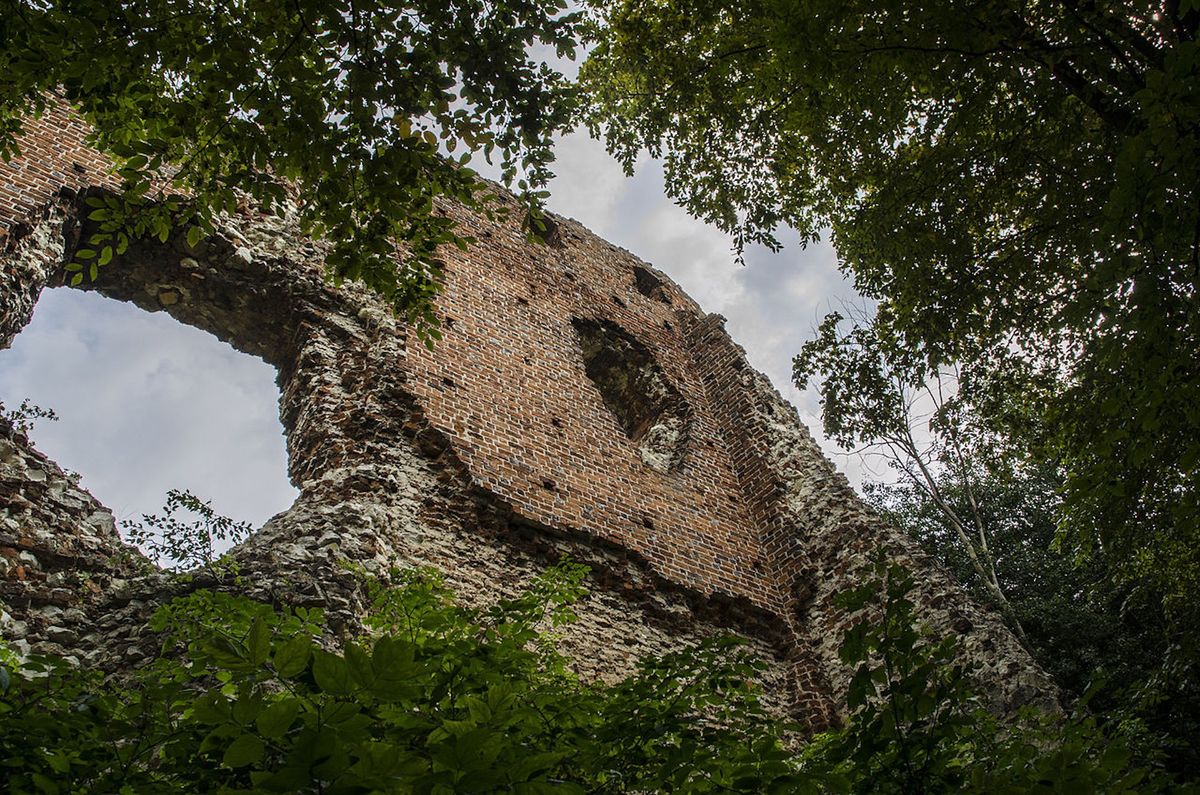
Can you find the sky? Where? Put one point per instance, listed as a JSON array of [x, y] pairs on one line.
[[147, 404]]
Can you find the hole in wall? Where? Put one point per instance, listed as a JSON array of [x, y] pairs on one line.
[[551, 232], [649, 285], [634, 388], [147, 404]]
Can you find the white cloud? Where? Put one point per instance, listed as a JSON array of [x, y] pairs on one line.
[[148, 404]]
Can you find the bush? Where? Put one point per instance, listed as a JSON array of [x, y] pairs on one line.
[[438, 698]]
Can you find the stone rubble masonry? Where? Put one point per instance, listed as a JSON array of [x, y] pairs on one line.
[[488, 458]]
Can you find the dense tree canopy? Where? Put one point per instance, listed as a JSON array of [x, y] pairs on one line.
[[1092, 636], [1015, 183], [349, 100]]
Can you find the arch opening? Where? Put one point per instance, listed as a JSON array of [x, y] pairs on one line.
[[145, 404]]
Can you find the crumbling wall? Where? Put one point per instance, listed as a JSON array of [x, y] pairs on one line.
[[579, 404], [645, 404], [821, 538]]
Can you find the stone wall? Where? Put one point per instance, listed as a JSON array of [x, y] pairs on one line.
[[579, 404]]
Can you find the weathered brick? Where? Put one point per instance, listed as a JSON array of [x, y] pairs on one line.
[[496, 453]]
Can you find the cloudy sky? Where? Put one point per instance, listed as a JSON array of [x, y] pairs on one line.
[[147, 404]]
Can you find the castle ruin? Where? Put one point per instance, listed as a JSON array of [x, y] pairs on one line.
[[578, 405]]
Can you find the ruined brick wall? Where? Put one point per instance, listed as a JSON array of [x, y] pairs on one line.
[[579, 404]]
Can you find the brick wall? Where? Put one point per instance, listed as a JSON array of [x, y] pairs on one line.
[[55, 156], [497, 445]]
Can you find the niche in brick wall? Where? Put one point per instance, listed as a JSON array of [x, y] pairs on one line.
[[649, 285], [648, 408]]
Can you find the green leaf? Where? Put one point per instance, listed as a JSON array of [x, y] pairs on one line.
[[292, 657], [359, 663], [277, 718], [225, 651], [478, 709], [535, 763], [332, 673], [211, 707], [340, 712], [258, 643], [245, 750], [247, 707], [45, 784]]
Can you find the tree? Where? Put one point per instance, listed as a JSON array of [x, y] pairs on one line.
[[1104, 643], [201, 102], [878, 399], [989, 516], [1014, 183]]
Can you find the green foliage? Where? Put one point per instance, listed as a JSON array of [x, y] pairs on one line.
[[990, 511], [910, 704], [437, 698], [354, 103], [868, 382], [1112, 644], [915, 726], [1072, 630], [1015, 184], [22, 418], [187, 533], [433, 697]]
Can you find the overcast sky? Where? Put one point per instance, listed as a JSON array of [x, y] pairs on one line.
[[147, 404]]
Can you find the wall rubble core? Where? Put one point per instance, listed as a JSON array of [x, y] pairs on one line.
[[579, 404]]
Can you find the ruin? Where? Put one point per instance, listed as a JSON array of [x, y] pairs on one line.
[[578, 405]]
